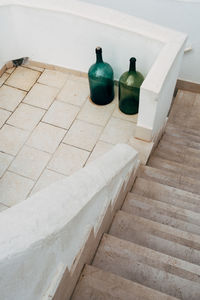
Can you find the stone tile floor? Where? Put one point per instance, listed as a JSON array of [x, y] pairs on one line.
[[49, 129]]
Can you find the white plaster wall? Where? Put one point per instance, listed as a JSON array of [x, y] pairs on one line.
[[65, 33], [8, 37], [42, 236], [181, 15], [156, 95], [61, 36]]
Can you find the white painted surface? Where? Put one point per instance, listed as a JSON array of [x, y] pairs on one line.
[[177, 14], [157, 90], [47, 231], [66, 33]]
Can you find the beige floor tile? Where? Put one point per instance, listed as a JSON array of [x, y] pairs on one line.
[[118, 131], [5, 160], [79, 79], [26, 117], [96, 114], [120, 115], [53, 78], [10, 70], [30, 162], [3, 78], [41, 95], [12, 139], [100, 149], [4, 115], [10, 97], [3, 207], [27, 65], [61, 114], [23, 78], [83, 135], [68, 159], [74, 92], [48, 177], [14, 188], [46, 137]]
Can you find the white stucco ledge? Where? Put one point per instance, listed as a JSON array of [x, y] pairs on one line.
[[44, 233]]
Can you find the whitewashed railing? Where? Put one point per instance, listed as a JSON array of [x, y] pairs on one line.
[[45, 234]]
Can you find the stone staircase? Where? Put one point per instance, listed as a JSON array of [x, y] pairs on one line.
[[152, 250]]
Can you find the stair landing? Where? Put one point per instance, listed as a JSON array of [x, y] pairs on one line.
[[49, 129]]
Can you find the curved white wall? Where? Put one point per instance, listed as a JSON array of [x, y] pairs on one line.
[[65, 33], [177, 14], [43, 235]]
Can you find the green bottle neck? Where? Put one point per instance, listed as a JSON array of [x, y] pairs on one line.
[[132, 67], [99, 58]]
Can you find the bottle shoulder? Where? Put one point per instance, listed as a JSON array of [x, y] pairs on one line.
[[132, 78], [101, 69]]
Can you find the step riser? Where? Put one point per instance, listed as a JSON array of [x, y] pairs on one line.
[[174, 167], [158, 207], [175, 149], [160, 218], [178, 141], [128, 228], [170, 128], [168, 178], [178, 158], [124, 261], [167, 194], [183, 135], [98, 285]]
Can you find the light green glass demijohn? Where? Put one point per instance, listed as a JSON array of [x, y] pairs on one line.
[[101, 80], [129, 89]]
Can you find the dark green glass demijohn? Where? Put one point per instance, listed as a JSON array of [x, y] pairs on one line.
[[129, 89], [101, 80]]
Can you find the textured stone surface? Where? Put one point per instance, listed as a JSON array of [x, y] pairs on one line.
[[61, 114], [83, 135], [12, 139], [41, 95], [46, 137], [30, 162], [14, 188], [162, 272], [68, 159], [53, 78], [98, 284], [10, 97], [26, 117], [23, 78]]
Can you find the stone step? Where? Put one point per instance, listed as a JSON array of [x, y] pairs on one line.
[[96, 284], [185, 110], [180, 141], [176, 168], [156, 270], [185, 99], [183, 155], [169, 178], [163, 208], [167, 194], [162, 213], [178, 133], [173, 128], [156, 236]]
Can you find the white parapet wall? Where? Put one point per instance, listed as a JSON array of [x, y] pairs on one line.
[[65, 33], [42, 236]]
